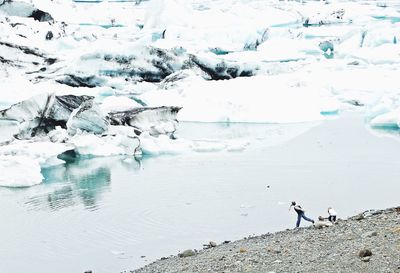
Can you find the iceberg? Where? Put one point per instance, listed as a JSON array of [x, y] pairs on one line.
[[23, 9], [51, 125], [327, 18], [118, 103], [387, 120], [109, 145], [155, 120], [264, 99], [19, 171], [42, 112], [88, 117]]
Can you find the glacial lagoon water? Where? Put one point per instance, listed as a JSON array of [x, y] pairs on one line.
[[115, 214]]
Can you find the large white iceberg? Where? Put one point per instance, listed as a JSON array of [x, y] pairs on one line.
[[19, 171], [255, 99]]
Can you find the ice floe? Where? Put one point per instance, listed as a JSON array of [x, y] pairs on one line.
[[114, 78], [19, 171]]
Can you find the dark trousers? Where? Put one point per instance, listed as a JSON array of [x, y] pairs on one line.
[[332, 218], [302, 215]]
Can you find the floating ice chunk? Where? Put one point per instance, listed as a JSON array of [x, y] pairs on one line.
[[332, 17], [286, 49], [155, 120], [267, 99], [41, 111], [162, 145], [16, 8], [127, 160], [383, 54], [390, 120], [381, 34], [44, 152], [122, 130], [329, 106], [7, 130], [19, 171], [208, 146], [21, 8], [58, 135], [89, 144], [382, 105], [118, 104], [88, 117], [19, 85], [162, 14], [118, 252], [237, 145], [27, 110]]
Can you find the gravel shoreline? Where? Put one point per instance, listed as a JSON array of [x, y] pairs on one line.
[[366, 243]]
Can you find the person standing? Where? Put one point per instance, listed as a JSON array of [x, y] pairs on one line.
[[332, 215], [300, 213]]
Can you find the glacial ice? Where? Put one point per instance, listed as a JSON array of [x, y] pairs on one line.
[[117, 104], [220, 61], [16, 8], [87, 117], [19, 171], [390, 119], [110, 145], [21, 161], [268, 99]]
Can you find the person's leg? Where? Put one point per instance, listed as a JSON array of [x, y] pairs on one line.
[[306, 218], [330, 218], [298, 220], [334, 218]]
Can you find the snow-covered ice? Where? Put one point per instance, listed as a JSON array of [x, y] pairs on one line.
[[220, 61], [19, 171]]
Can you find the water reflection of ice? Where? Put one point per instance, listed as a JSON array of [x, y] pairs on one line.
[[83, 180], [79, 182], [385, 132]]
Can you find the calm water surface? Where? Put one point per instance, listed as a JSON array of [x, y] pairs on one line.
[[105, 214]]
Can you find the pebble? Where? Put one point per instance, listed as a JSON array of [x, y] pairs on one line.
[[370, 234], [359, 217], [365, 253], [187, 253], [366, 259]]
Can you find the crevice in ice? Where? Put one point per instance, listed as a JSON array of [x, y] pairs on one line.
[[80, 81], [24, 49], [41, 16], [221, 71]]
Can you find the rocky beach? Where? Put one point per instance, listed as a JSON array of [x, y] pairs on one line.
[[367, 242]]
